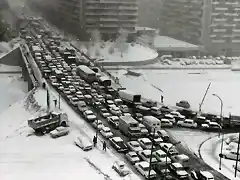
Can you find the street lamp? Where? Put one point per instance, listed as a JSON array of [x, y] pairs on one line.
[[174, 144], [97, 131], [220, 156], [150, 163]]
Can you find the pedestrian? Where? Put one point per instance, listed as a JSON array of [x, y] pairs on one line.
[[55, 102], [94, 141], [162, 98], [104, 146]]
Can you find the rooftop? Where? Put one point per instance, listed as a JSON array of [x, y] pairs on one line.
[[168, 43]]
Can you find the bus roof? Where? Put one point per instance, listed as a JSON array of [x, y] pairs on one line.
[[86, 69]]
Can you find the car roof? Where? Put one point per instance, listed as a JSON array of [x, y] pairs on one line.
[[145, 140], [134, 142], [117, 139], [177, 165], [206, 174], [144, 164], [131, 153], [160, 151], [106, 129]]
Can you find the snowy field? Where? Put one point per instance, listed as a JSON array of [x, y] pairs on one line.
[[187, 85], [130, 53], [13, 88], [22, 154]]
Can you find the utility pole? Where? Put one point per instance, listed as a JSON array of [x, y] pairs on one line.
[[150, 163], [59, 99], [235, 174], [200, 106]]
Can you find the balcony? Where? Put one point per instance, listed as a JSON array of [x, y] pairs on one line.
[[108, 19]]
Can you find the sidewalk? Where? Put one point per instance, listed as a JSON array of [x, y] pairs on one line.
[[209, 152]]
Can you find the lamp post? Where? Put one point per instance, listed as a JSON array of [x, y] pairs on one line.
[[150, 163], [220, 156], [97, 131], [174, 144]]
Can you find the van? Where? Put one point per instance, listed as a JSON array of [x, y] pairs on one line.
[[151, 123]]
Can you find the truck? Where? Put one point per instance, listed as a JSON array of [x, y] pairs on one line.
[[48, 122], [129, 127], [129, 97], [151, 123]]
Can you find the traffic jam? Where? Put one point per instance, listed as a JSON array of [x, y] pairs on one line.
[[129, 125]]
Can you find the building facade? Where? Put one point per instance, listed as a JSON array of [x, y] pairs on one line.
[[81, 17], [211, 23]]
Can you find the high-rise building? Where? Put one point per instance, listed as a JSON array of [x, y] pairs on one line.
[[211, 23], [108, 16]]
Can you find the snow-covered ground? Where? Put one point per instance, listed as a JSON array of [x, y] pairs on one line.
[[13, 88], [131, 53], [22, 154], [210, 151], [6, 68], [187, 85]]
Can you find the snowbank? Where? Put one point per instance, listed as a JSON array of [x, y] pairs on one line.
[[26, 156]]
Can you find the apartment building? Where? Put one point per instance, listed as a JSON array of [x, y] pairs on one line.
[[81, 17], [211, 23]]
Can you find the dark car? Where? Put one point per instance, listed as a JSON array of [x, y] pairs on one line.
[[118, 144], [183, 104], [165, 109], [150, 104]]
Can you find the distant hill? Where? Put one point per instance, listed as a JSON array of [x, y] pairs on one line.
[[149, 12]]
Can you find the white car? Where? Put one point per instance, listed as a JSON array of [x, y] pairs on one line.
[[120, 168], [145, 143], [74, 101], [66, 91], [178, 169], [83, 143], [72, 89], [188, 123], [106, 132], [124, 108], [145, 155], [134, 146], [161, 156], [59, 131], [166, 123], [132, 157], [143, 168], [115, 111], [170, 118], [98, 124], [79, 94]]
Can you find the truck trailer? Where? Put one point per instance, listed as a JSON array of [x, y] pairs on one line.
[[129, 127], [130, 97]]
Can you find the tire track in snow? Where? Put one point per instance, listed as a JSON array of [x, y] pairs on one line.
[[106, 177]]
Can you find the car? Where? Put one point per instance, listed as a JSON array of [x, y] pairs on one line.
[[79, 94], [66, 91], [134, 146], [212, 126], [188, 123], [165, 123], [165, 109], [90, 117], [155, 111], [138, 117], [97, 124], [178, 169], [74, 101], [163, 134], [59, 131], [145, 143], [201, 175], [169, 149], [106, 115], [115, 111], [132, 157], [183, 104], [124, 108], [118, 144], [161, 156], [120, 168], [110, 103], [145, 155], [170, 118], [144, 130], [114, 121], [180, 158], [143, 168], [83, 143], [178, 116], [156, 139], [230, 154], [106, 132]]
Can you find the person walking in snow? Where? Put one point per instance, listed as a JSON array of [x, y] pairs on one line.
[[55, 102], [162, 98], [104, 146]]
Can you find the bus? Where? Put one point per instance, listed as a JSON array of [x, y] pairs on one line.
[[86, 73]]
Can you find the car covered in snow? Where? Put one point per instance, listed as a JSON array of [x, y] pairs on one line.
[[74, 101], [211, 126], [97, 124], [82, 106], [145, 143], [104, 113], [132, 157], [161, 156], [88, 114], [143, 168], [115, 111], [170, 118], [121, 168], [145, 155], [118, 144], [134, 146], [169, 148], [187, 123], [106, 132], [199, 175], [83, 143], [59, 131], [179, 170]]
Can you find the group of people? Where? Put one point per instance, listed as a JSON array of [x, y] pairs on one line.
[[95, 143]]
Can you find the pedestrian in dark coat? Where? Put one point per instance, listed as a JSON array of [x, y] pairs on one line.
[[94, 141], [162, 98], [104, 146]]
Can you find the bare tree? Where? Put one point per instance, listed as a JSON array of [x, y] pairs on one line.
[[121, 41]]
